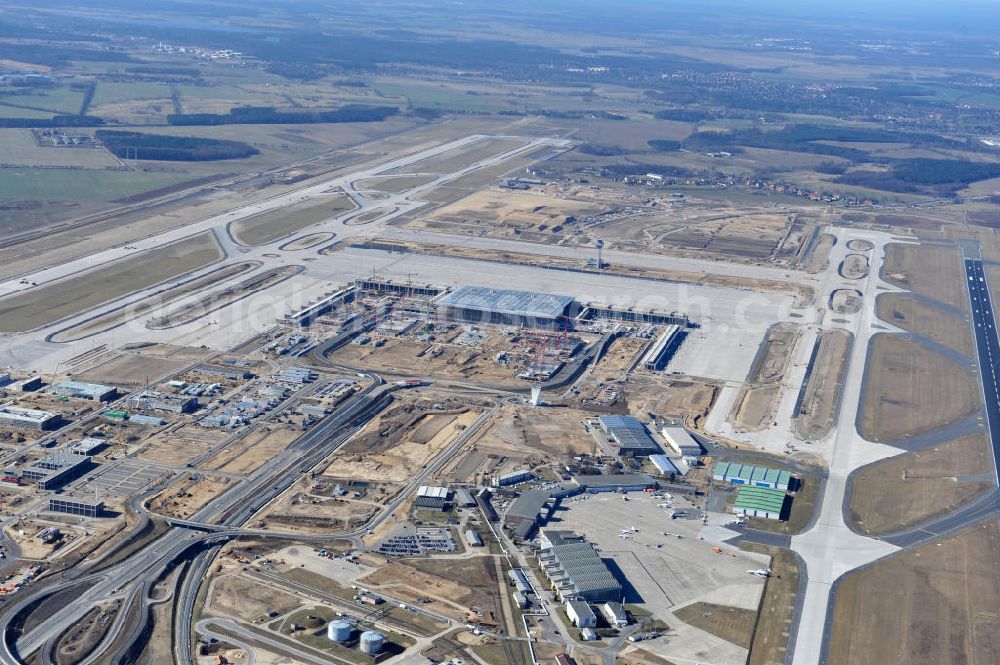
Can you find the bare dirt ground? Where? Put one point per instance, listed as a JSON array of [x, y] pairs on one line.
[[397, 455], [938, 602], [671, 397], [822, 392], [129, 370], [301, 510], [914, 487], [178, 445], [846, 301], [246, 455], [747, 234], [46, 304], [819, 254], [506, 212], [918, 317], [854, 266], [911, 390], [523, 432], [187, 495], [268, 227], [754, 407], [931, 270], [247, 600], [459, 584], [432, 359]]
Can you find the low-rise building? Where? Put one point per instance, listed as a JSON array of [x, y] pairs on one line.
[[667, 466], [88, 391], [626, 482], [151, 400], [473, 538], [464, 498], [56, 470], [76, 506], [511, 478], [88, 445], [681, 441], [615, 614], [760, 502], [33, 419], [531, 509], [580, 614], [750, 474], [516, 576], [575, 569], [629, 434]]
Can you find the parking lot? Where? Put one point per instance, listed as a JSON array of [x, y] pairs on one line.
[[121, 479]]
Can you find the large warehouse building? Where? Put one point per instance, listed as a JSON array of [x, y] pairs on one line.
[[760, 502], [76, 506], [529, 510], [527, 309], [90, 391], [630, 434], [575, 569], [15, 416]]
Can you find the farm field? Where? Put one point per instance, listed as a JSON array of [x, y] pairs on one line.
[[81, 184]]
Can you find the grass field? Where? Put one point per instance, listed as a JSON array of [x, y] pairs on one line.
[[911, 390], [441, 97], [46, 304], [733, 624], [914, 487], [268, 227], [14, 112], [58, 100], [113, 93], [38, 184], [918, 317], [770, 639], [930, 270], [19, 147], [932, 605]]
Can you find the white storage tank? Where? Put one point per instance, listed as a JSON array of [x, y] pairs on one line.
[[372, 642], [339, 630]]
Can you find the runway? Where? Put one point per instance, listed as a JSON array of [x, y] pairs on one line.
[[987, 350]]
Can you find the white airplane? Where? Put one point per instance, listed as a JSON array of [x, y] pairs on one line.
[[762, 572]]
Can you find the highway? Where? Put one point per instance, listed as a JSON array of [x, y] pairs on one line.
[[240, 503]]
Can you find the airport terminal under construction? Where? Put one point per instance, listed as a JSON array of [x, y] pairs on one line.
[[380, 438]]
